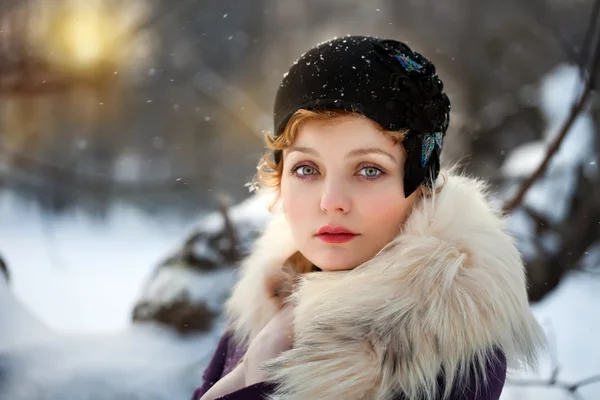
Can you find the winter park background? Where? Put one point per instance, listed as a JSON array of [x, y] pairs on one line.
[[129, 129]]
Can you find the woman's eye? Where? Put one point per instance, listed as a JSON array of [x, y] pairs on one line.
[[371, 172], [305, 170]]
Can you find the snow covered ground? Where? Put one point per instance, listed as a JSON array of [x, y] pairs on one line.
[[77, 274], [65, 316], [571, 321], [65, 330], [141, 362]]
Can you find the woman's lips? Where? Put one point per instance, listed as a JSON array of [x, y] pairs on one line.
[[336, 237]]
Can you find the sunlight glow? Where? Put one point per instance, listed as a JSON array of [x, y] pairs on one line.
[[87, 36]]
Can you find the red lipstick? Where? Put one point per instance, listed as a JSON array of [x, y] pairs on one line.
[[335, 234]]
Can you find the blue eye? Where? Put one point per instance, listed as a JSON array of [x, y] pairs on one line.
[[305, 170], [371, 172]]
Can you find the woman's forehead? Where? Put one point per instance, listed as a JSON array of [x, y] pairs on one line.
[[347, 148], [342, 134]]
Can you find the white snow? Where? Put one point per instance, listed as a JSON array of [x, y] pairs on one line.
[[571, 320], [19, 326], [211, 288], [142, 362], [523, 160], [84, 346], [252, 211], [77, 274], [175, 282], [82, 278]]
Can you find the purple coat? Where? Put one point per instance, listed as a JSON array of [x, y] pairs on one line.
[[228, 355]]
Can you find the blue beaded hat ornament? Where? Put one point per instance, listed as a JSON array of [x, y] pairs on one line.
[[382, 79], [430, 140]]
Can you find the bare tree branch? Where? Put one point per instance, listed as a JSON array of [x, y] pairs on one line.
[[570, 388], [575, 111], [588, 44], [230, 230], [576, 234], [589, 72]]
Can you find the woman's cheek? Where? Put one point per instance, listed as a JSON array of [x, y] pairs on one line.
[[294, 195], [391, 208], [301, 201]]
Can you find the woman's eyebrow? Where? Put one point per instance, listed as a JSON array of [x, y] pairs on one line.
[[369, 150], [306, 150], [351, 154]]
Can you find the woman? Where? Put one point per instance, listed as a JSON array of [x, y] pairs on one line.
[[379, 277]]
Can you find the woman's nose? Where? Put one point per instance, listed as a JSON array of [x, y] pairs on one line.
[[335, 197]]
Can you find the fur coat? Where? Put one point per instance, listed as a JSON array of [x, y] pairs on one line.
[[447, 291]]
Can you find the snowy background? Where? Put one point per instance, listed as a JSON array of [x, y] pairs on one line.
[[66, 315], [115, 152]]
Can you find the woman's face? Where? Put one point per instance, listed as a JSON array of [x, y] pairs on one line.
[[343, 176]]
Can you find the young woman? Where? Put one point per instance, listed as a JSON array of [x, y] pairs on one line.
[[379, 277]]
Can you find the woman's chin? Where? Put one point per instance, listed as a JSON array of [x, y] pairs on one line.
[[335, 259]]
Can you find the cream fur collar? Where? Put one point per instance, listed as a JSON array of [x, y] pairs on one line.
[[443, 293]]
